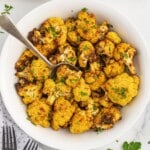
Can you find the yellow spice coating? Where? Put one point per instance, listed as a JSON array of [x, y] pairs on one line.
[[87, 27], [40, 70], [114, 69], [81, 91], [106, 118], [39, 113], [113, 36], [80, 122], [30, 92], [122, 88], [63, 111], [78, 100]]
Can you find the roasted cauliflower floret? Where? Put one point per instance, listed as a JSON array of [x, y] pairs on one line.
[[99, 80], [105, 47], [106, 118], [72, 80], [81, 122], [81, 91], [24, 60], [103, 29], [74, 38], [126, 53], [86, 51], [39, 113], [71, 24], [63, 71], [55, 29], [113, 36], [122, 89], [49, 86], [25, 74], [86, 27], [114, 69], [67, 54], [30, 92], [62, 113], [40, 70]]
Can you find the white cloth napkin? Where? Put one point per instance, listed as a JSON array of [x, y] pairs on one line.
[[5, 119]]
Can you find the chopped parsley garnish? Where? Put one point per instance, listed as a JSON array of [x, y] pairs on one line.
[[124, 55], [86, 47], [73, 80], [84, 9], [148, 142], [1, 32], [110, 25], [83, 93], [62, 80], [78, 38], [98, 130], [7, 9], [52, 30], [131, 146], [94, 107], [120, 91], [72, 59]]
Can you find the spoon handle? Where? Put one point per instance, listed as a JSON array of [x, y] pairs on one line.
[[7, 24]]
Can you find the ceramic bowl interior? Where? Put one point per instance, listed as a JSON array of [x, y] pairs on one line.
[[62, 139]]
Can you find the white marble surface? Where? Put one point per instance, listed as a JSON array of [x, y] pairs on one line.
[[138, 11]]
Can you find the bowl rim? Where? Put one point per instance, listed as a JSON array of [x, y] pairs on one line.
[[3, 93]]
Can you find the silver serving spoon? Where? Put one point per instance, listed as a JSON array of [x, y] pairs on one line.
[[7, 24]]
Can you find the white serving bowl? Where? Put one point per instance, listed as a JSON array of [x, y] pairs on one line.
[[62, 139]]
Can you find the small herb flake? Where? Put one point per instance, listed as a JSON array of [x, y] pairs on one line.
[[84, 9], [7, 9], [131, 146], [1, 32], [72, 59], [148, 142], [124, 55], [62, 80], [110, 25], [78, 38], [83, 93], [120, 91], [109, 149], [98, 130]]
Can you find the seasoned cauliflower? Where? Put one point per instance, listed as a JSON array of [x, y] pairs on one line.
[[24, 60], [66, 53], [39, 113], [81, 122], [81, 91], [86, 52], [49, 87], [77, 99], [122, 89], [71, 24], [55, 29], [106, 118], [126, 53], [99, 80], [105, 47], [87, 27], [74, 38], [25, 74], [114, 69], [103, 29], [63, 71], [113, 36], [62, 113], [40, 70], [30, 92]]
